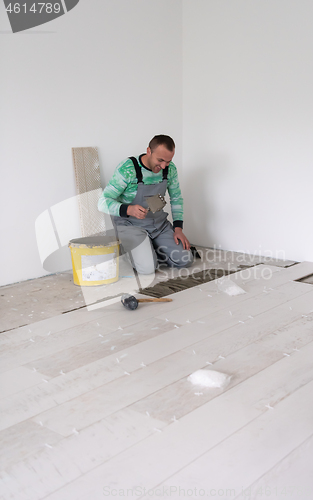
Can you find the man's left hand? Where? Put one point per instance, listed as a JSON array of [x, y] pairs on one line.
[[179, 235]]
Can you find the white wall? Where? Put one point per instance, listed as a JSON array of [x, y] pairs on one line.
[[234, 90], [106, 74], [248, 125]]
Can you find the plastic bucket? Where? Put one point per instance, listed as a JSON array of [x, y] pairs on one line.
[[95, 260]]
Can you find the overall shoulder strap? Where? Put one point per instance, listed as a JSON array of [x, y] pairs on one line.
[[165, 173], [137, 168]]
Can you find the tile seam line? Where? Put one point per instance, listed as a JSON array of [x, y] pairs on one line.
[[233, 326], [128, 406], [86, 306], [164, 357], [168, 385], [94, 468], [250, 343], [26, 342], [238, 430], [230, 435], [226, 390], [167, 425], [276, 464], [255, 296]]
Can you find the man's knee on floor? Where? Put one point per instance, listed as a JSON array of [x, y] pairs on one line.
[[183, 259], [144, 264], [176, 257]]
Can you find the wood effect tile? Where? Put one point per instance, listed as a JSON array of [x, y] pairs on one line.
[[84, 450], [250, 452], [181, 397], [34, 400], [38, 346], [102, 345], [156, 457], [289, 478], [18, 379], [94, 405], [22, 440], [226, 333], [54, 324]]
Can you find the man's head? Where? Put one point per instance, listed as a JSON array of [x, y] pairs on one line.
[[160, 152]]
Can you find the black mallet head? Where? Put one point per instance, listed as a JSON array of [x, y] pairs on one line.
[[129, 301]]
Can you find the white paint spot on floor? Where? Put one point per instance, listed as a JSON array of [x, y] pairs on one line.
[[209, 378], [226, 285]]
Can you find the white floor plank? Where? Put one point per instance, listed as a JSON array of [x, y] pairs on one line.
[[241, 362], [289, 478], [116, 410], [39, 474], [250, 452], [160, 456]]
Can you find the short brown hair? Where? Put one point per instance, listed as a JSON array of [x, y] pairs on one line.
[[163, 140]]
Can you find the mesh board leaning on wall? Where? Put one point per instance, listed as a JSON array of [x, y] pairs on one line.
[[88, 186]]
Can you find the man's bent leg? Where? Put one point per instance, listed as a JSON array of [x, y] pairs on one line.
[[137, 243], [169, 252]]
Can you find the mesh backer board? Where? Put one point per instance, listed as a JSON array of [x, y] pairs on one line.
[[88, 186]]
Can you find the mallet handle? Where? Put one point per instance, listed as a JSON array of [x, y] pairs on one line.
[[155, 300]]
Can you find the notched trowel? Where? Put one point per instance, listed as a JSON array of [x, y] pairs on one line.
[[155, 203]]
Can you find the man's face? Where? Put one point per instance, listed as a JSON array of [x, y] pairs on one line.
[[159, 158]]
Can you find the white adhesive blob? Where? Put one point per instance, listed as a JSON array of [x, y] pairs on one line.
[[226, 285], [209, 378]]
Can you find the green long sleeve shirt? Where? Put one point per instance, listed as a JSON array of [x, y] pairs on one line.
[[122, 188]]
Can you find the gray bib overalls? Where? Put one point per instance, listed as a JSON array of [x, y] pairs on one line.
[[150, 240]]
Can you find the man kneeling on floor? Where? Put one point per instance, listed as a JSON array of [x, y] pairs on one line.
[[134, 199]]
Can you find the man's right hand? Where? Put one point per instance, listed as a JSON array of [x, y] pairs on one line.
[[137, 211]]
